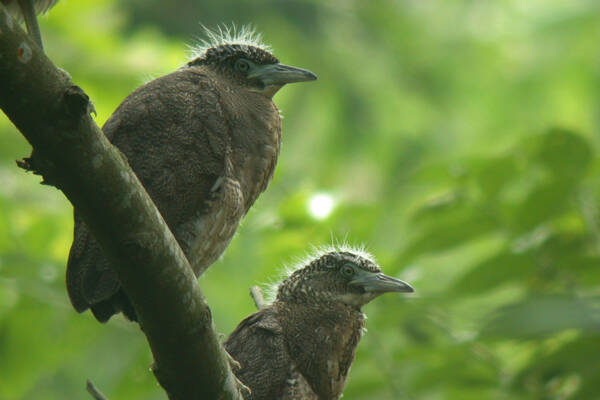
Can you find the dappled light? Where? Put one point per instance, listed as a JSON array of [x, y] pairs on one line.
[[320, 205]]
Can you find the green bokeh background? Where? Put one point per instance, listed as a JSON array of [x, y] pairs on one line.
[[458, 140]]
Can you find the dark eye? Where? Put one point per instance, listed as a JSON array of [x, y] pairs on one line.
[[242, 65], [348, 270]]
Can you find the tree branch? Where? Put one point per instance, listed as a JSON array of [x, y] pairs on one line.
[[71, 153]]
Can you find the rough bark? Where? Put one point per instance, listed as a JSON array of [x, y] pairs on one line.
[[71, 153]]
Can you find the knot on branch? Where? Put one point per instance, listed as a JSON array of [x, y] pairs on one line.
[[27, 164], [78, 102], [38, 166]]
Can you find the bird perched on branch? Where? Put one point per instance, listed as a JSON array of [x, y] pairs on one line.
[[302, 345], [204, 141], [27, 10]]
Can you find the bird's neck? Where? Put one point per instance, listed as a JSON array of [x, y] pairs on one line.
[[255, 129], [322, 342]]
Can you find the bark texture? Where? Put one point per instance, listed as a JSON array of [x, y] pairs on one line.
[[72, 154]]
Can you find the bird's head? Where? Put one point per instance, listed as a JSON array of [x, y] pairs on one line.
[[239, 55], [352, 278]]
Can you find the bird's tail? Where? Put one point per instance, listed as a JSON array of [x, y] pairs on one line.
[[91, 282], [119, 302]]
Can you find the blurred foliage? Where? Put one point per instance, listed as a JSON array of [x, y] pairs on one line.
[[458, 141]]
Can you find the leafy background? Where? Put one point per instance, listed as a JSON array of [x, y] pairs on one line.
[[457, 140]]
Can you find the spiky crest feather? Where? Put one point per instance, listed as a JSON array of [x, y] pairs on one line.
[[223, 35], [312, 256]]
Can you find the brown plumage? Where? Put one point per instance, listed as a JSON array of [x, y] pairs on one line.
[[303, 344], [204, 142]]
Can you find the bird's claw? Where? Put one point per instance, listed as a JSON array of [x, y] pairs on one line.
[[235, 365], [241, 386]]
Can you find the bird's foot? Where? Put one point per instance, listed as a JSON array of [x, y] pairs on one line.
[[241, 387], [235, 365]]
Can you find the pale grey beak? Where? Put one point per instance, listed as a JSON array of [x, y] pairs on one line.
[[280, 74], [380, 283]]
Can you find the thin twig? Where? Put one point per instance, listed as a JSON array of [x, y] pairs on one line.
[[94, 391], [257, 296]]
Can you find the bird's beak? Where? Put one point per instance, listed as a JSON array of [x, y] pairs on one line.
[[380, 283], [280, 74]]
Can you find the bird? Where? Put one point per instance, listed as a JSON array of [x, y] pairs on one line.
[[204, 141], [27, 10], [302, 345]]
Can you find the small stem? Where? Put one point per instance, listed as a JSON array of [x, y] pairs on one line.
[[94, 391], [257, 296]]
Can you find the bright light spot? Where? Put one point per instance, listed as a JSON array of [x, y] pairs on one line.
[[320, 206]]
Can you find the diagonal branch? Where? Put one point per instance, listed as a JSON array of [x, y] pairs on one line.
[[71, 153]]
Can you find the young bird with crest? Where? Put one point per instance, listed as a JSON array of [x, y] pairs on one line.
[[204, 141], [302, 345]]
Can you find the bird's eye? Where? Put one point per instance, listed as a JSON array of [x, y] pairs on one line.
[[242, 65], [347, 270]]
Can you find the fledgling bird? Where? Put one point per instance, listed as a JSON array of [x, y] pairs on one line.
[[204, 141], [302, 345], [27, 10]]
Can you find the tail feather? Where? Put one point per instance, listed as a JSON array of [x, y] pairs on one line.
[[91, 283], [119, 302]]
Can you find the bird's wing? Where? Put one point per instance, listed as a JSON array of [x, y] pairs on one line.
[[321, 349], [174, 135], [171, 131], [258, 346]]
